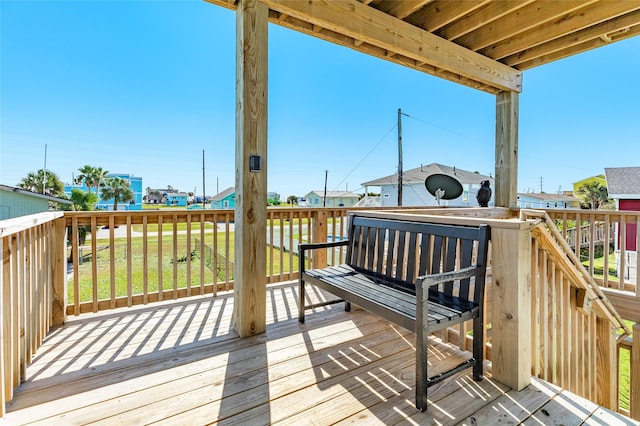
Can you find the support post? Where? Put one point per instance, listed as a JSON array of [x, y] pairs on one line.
[[511, 305], [606, 364], [249, 309], [59, 282], [634, 397], [506, 183], [319, 235]]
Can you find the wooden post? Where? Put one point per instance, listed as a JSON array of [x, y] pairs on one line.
[[606, 364], [511, 307], [634, 397], [506, 191], [319, 235], [249, 309], [59, 282]]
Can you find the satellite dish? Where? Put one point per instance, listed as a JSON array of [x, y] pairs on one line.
[[443, 187]]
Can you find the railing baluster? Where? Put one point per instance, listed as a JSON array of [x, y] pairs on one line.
[[160, 268], [145, 260], [129, 263]]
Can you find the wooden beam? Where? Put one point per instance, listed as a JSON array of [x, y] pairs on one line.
[[249, 308], [59, 266], [439, 13], [570, 22], [359, 22], [519, 21], [506, 149], [511, 308], [480, 17], [561, 43], [402, 9]]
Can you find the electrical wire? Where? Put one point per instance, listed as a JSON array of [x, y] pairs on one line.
[[365, 157]]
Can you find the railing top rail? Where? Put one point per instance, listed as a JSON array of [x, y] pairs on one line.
[[496, 217], [22, 223]]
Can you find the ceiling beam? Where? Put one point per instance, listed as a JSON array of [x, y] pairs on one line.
[[605, 29], [442, 12], [480, 17], [566, 24], [518, 22], [368, 25], [402, 9]]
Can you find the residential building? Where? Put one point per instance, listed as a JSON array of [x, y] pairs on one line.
[[225, 199], [531, 200], [331, 198], [16, 202], [178, 199], [597, 178], [414, 191], [135, 183]]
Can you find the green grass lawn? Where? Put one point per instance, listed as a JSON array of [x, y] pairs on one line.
[[167, 272]]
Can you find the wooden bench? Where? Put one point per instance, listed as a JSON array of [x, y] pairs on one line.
[[422, 276]]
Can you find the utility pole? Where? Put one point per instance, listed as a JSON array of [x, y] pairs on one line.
[[541, 184], [400, 114], [44, 175], [324, 199], [204, 192]]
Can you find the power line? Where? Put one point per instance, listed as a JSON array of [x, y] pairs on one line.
[[365, 157], [442, 128]]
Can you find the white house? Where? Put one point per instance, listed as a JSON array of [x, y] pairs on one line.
[[414, 191], [331, 199]]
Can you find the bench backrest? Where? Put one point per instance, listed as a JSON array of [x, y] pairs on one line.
[[398, 251]]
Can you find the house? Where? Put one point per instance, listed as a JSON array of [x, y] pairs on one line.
[[623, 184], [15, 202], [533, 200], [597, 179], [179, 199], [331, 199], [414, 191], [135, 183], [225, 199]]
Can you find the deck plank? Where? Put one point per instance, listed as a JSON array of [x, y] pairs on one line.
[[180, 362]]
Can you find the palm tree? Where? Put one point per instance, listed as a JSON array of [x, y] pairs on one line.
[[92, 177], [117, 189], [36, 182], [594, 193]]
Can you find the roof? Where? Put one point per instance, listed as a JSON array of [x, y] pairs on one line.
[[623, 181], [335, 194], [481, 44], [224, 194], [35, 194], [420, 174], [548, 197]]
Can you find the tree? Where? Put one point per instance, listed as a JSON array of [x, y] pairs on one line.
[[117, 189], [92, 177], [36, 182], [83, 201], [594, 194], [292, 199]]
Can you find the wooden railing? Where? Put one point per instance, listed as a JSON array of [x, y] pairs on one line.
[[131, 258], [620, 223], [139, 257], [32, 277], [575, 327]]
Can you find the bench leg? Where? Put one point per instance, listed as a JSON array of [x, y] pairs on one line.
[[478, 343], [301, 301], [422, 331], [347, 306]]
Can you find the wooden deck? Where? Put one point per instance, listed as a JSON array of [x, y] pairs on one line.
[[180, 363]]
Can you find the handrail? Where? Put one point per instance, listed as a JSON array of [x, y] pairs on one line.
[[31, 292]]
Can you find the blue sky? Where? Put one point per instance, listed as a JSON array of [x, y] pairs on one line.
[[143, 87]]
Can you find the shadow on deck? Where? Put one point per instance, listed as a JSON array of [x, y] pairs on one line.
[[180, 362]]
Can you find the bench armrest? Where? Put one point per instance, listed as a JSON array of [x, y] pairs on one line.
[[312, 246], [426, 281]]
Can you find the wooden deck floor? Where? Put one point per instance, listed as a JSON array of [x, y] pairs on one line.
[[180, 363]]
